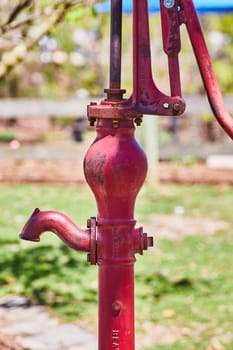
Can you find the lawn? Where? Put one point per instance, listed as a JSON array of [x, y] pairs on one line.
[[184, 287]]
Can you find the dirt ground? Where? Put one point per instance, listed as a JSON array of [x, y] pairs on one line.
[[32, 131], [9, 343], [71, 172]]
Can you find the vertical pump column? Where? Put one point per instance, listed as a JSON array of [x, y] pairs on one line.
[[115, 168]]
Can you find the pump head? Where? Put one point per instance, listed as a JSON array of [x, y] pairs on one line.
[[146, 98]]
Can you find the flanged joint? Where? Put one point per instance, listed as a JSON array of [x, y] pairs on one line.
[[92, 256]]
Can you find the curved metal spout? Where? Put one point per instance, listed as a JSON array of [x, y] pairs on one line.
[[58, 223]]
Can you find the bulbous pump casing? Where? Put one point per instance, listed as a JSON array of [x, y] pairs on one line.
[[115, 168]]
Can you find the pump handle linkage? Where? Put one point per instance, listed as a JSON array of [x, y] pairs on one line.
[[146, 98]]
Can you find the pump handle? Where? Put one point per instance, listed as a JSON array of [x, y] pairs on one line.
[[187, 14]]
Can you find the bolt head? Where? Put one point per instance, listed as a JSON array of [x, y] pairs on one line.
[[138, 121], [166, 105], [169, 3], [150, 241], [88, 223], [176, 107], [92, 121], [116, 307]]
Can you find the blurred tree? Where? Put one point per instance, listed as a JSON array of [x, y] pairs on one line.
[[24, 22], [220, 37]]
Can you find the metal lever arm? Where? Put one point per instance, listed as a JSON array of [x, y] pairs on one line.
[[146, 98], [187, 14], [145, 93], [171, 42]]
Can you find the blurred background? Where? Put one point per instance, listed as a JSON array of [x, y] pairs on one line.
[[54, 60]]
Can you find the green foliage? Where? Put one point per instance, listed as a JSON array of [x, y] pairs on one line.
[[79, 13], [223, 55], [224, 72], [7, 135], [188, 159], [207, 117], [46, 275], [223, 24]]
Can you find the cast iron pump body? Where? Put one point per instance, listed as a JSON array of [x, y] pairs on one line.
[[115, 165]]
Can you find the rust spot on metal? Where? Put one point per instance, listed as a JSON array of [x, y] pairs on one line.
[[94, 167], [145, 49]]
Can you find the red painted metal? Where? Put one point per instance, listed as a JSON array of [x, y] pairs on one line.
[[115, 168], [146, 98], [58, 223], [115, 165], [171, 44]]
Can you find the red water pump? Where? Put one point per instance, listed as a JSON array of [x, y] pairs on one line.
[[115, 166]]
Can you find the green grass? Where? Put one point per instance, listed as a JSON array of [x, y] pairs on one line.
[[185, 283]]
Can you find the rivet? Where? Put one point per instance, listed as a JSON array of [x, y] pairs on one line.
[[88, 223], [115, 123], [166, 105], [138, 121], [176, 107], [116, 307], [150, 241], [169, 3], [92, 121]]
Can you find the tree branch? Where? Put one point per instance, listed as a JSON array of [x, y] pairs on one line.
[[17, 10], [17, 54]]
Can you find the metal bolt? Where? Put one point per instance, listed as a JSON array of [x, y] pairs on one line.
[[147, 241], [116, 307], [169, 3], [176, 107], [138, 121], [92, 121], [166, 105], [115, 123], [150, 241], [88, 223]]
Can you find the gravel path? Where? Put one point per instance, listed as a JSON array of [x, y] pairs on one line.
[[30, 328]]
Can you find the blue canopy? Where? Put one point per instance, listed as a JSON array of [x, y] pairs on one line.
[[202, 6]]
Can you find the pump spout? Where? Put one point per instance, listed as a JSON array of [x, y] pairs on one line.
[[58, 223]]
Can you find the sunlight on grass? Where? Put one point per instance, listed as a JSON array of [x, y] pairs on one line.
[[185, 283]]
